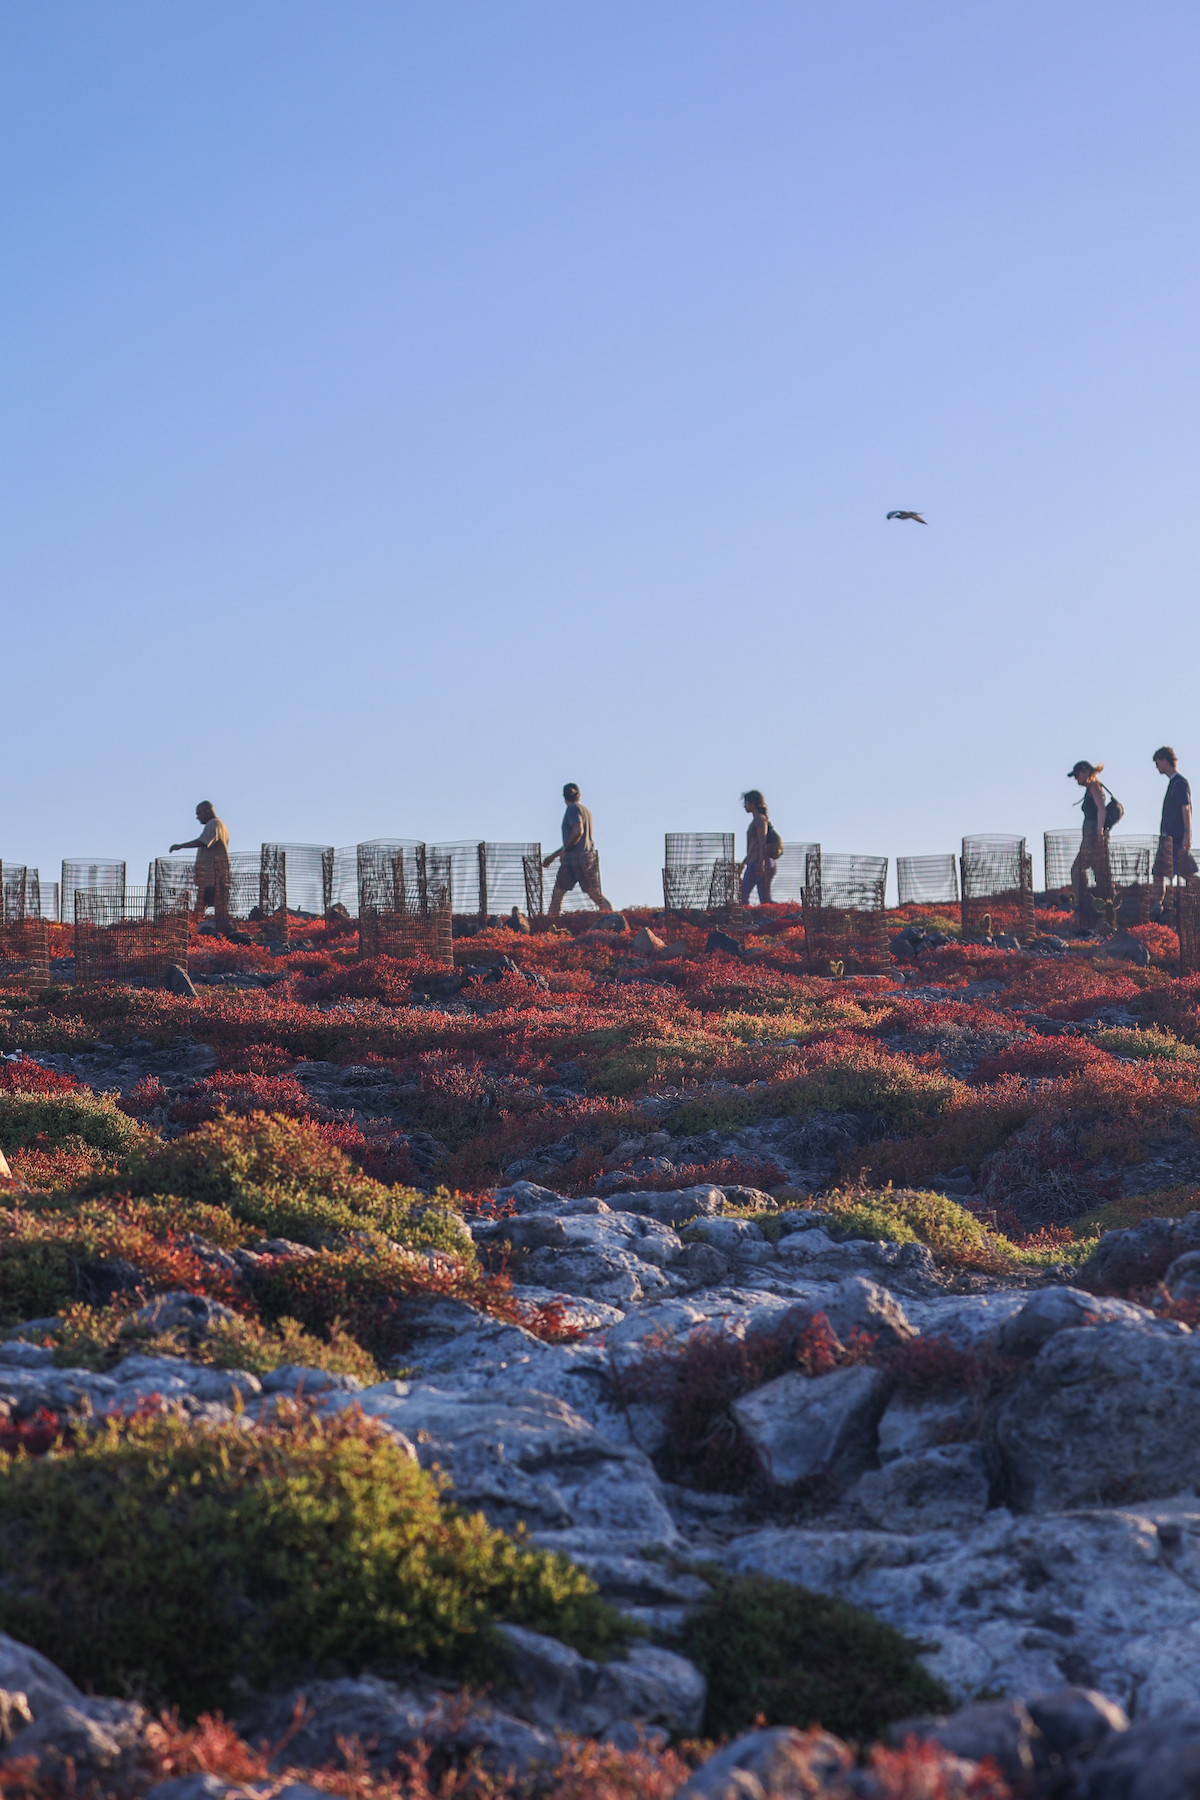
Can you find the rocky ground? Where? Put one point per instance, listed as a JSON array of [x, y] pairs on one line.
[[966, 1404]]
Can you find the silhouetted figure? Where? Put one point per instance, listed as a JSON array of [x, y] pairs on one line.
[[578, 862], [1093, 851], [1175, 832], [212, 863], [761, 860]]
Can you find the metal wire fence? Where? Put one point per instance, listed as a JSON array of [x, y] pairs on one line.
[[309, 876], [487, 878], [88, 872], [787, 886], [344, 884], [14, 883], [927, 880], [116, 939], [845, 930], [1187, 924], [997, 887], [404, 907], [24, 955]]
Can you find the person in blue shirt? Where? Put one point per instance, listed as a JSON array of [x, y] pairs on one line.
[[1175, 833]]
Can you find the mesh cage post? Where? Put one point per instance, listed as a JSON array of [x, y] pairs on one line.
[[24, 956], [845, 930], [483, 884], [1187, 926], [533, 875], [787, 885], [13, 888], [272, 893], [309, 876], [327, 856], [117, 940]]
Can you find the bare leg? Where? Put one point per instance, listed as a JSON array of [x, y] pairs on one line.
[[593, 893], [556, 900]]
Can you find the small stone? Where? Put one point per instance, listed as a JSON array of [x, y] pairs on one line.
[[178, 982], [646, 940]]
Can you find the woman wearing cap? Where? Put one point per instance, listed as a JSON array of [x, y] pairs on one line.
[[1093, 851]]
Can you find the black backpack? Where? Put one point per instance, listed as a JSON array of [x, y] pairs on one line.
[[1114, 812], [773, 843]]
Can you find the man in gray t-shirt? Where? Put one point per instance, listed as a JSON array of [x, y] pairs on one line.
[[579, 865]]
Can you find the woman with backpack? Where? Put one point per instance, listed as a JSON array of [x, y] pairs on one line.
[[763, 845], [1093, 851]]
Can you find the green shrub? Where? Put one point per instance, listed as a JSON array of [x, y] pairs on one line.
[[907, 1216], [1156, 1044], [798, 1658], [49, 1120], [97, 1338], [186, 1560], [280, 1176]]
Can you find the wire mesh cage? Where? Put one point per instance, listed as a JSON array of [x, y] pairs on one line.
[[1059, 850], [24, 955], [309, 876], [404, 905], [686, 849], [88, 872], [699, 872], [845, 931], [41, 897], [258, 892], [14, 895], [787, 885], [343, 890], [170, 883], [1187, 924], [997, 887], [116, 939], [927, 880]]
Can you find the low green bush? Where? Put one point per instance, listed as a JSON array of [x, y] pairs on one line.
[[1157, 1045], [98, 1337], [49, 1120], [280, 1176], [770, 1648], [910, 1216], [185, 1560]]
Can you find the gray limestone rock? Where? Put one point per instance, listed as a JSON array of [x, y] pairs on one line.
[[940, 1488], [555, 1687], [1107, 1414], [1062, 1309], [97, 1738], [909, 1425], [806, 1426], [1001, 1729], [1156, 1759], [779, 1762], [859, 1304], [28, 1672]]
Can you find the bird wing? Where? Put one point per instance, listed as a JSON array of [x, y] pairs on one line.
[[918, 518], [895, 515]]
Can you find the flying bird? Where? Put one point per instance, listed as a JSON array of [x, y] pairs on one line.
[[908, 515]]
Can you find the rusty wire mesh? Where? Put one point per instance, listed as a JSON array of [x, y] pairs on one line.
[[404, 902], [686, 849], [697, 869], [787, 885], [844, 924], [309, 876], [88, 872], [14, 895], [927, 880], [115, 940], [41, 897], [24, 955], [258, 892], [1187, 925], [997, 887], [170, 883]]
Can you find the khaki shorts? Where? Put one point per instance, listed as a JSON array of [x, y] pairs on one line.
[[1172, 859], [577, 868]]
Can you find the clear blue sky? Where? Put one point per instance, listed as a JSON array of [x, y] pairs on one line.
[[406, 408]]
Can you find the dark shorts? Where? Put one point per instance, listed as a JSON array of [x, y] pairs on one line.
[[577, 868], [1172, 859]]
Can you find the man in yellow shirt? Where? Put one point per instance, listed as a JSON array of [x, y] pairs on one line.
[[212, 862]]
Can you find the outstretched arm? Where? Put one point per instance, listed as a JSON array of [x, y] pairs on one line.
[[192, 844]]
